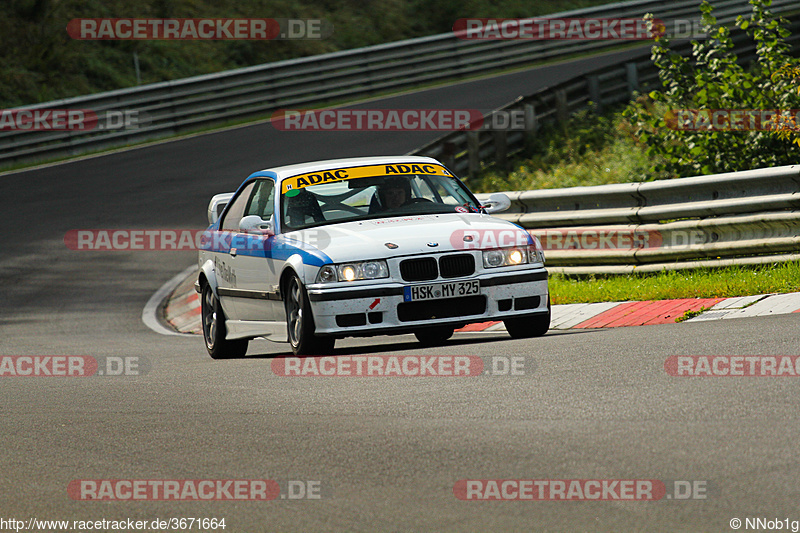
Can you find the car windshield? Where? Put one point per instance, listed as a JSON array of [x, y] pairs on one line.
[[361, 198]]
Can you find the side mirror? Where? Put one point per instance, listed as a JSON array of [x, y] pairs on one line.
[[257, 225], [217, 205], [496, 203]]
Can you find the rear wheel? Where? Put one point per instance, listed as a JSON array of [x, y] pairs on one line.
[[529, 326], [214, 329], [300, 322], [434, 336]]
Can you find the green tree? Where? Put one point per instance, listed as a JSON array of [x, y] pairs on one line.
[[713, 79]]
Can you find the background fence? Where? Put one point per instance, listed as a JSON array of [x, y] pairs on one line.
[[203, 101]]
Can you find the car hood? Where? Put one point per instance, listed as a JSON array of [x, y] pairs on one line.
[[410, 235]]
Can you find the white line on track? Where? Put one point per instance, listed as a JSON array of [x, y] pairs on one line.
[[150, 311]]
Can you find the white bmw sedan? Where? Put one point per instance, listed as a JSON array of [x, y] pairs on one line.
[[314, 252]]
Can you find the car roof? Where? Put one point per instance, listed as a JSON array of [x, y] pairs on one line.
[[331, 164]]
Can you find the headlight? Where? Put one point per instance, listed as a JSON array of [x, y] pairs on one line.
[[535, 255], [326, 274], [513, 256], [535, 251], [493, 258], [353, 271], [505, 257], [348, 272]]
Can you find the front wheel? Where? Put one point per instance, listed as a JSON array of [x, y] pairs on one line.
[[214, 329], [300, 322]]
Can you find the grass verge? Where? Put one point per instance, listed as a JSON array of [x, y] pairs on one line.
[[725, 282]]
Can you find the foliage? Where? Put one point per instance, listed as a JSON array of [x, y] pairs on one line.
[[590, 149], [39, 62], [712, 79]]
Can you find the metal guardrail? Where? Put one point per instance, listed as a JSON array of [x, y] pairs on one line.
[[744, 217], [466, 151], [192, 103]]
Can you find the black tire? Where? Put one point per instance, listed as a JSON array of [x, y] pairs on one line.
[[434, 336], [300, 322], [214, 330], [529, 326]]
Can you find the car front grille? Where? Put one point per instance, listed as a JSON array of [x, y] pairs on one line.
[[456, 266], [426, 268], [422, 269]]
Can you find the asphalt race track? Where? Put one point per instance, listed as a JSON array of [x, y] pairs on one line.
[[383, 453]]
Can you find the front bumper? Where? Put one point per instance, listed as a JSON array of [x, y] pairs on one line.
[[378, 309]]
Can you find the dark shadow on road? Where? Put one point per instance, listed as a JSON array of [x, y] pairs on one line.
[[416, 347]]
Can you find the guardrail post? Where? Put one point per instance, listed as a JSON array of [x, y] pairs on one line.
[[501, 150], [449, 154], [531, 123], [594, 92], [473, 153], [562, 112], [633, 77]]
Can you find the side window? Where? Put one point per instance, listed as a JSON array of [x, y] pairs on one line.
[[236, 209], [424, 190], [263, 201]]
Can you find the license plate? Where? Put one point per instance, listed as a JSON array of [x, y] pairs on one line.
[[438, 291]]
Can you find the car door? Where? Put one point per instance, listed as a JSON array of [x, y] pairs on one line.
[[257, 274], [226, 264]]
